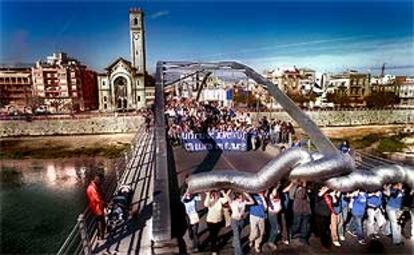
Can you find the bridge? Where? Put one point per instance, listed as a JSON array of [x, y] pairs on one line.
[[155, 171]]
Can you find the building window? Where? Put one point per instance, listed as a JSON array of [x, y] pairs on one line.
[[139, 98], [103, 83], [135, 21], [105, 106], [105, 98]]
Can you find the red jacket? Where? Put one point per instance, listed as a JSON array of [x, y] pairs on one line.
[[95, 202]]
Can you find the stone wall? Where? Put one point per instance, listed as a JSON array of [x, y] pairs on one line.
[[351, 118], [93, 125], [124, 124]]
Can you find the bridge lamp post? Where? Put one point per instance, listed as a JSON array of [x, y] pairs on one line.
[[236, 91], [257, 106]]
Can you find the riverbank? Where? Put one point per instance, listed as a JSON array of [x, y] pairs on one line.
[[46, 147], [386, 137], [384, 140]]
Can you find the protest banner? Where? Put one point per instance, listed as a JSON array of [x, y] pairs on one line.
[[226, 141]]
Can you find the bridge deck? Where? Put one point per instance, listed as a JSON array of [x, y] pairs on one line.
[[134, 236]]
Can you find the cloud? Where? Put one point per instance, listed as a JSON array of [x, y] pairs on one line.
[[290, 45], [159, 14], [363, 55]]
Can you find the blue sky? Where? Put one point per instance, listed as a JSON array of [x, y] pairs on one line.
[[325, 35]]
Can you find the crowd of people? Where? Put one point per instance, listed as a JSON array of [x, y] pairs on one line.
[[186, 115], [296, 210]]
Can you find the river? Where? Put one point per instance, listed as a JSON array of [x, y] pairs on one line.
[[41, 199]]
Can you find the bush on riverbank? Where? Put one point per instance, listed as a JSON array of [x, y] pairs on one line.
[[391, 144], [365, 141]]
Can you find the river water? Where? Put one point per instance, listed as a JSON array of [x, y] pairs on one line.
[[41, 199]]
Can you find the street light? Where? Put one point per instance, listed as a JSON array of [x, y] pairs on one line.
[[257, 106]]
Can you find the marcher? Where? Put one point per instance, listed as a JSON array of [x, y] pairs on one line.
[[359, 204], [393, 208], [286, 215], [337, 221], [275, 206], [214, 219], [96, 204], [376, 219], [238, 214], [190, 203], [301, 211], [257, 221], [322, 217]]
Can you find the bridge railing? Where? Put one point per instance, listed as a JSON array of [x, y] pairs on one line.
[[83, 233], [161, 209]]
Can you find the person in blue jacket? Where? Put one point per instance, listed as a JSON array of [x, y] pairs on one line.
[[395, 196], [359, 205], [376, 219], [345, 147]]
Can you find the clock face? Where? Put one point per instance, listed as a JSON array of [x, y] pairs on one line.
[[136, 36]]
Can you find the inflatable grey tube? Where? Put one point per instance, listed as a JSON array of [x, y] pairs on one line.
[[373, 179], [249, 182], [324, 168], [337, 172], [295, 162]]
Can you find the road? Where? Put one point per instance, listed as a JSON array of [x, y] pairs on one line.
[[252, 161]]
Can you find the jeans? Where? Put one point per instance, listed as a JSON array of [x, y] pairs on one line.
[[376, 221], [274, 227], [393, 224], [276, 137], [301, 223], [193, 233], [344, 213], [285, 221], [355, 226], [341, 224], [237, 226]]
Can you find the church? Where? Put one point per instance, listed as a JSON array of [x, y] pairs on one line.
[[122, 87]]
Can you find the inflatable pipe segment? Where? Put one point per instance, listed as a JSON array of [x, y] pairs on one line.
[[373, 179], [336, 171], [296, 163]]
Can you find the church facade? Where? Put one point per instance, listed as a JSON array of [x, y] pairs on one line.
[[122, 86]]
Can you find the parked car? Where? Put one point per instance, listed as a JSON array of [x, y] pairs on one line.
[[41, 110]]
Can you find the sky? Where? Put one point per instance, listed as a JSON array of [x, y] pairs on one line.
[[329, 36]]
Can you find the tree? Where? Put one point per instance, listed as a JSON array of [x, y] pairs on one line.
[[380, 99], [301, 99], [4, 96], [339, 98]]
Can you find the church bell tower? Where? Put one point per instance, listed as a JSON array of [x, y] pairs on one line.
[[137, 41]]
